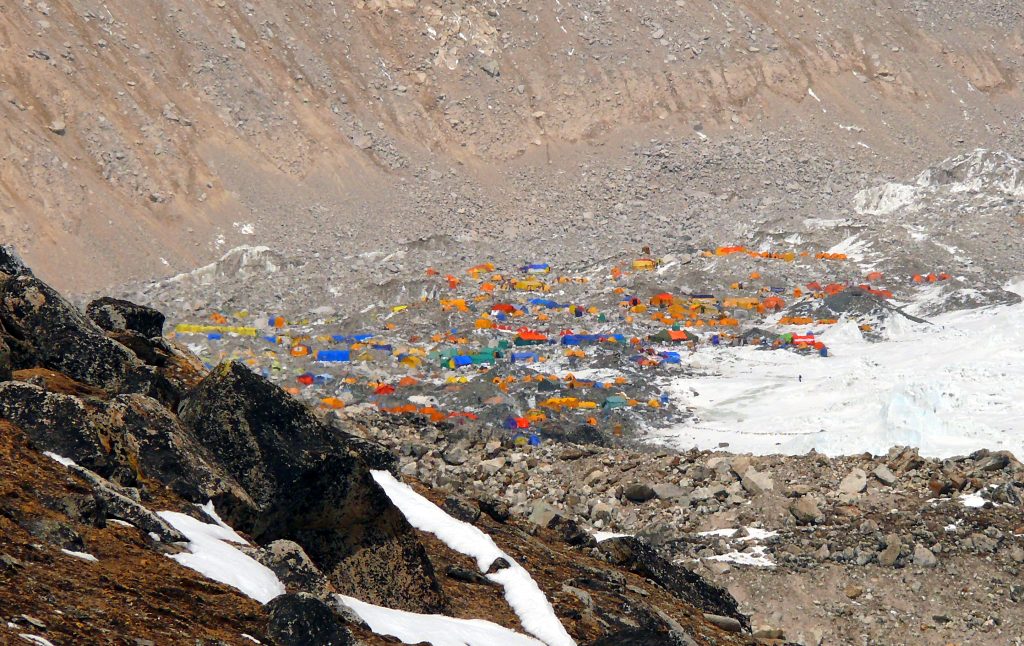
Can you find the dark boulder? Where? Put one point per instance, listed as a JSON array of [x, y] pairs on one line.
[[302, 620], [116, 315], [312, 485], [640, 558], [126, 439], [54, 334]]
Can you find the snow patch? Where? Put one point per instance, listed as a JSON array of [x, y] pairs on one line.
[[755, 557], [438, 630], [521, 591], [210, 554], [85, 556], [68, 462], [35, 639], [603, 536]]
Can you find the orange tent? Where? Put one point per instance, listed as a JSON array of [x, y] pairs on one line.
[[875, 275], [918, 279], [663, 299], [773, 303]]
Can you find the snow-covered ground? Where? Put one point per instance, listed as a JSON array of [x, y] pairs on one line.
[[948, 388]]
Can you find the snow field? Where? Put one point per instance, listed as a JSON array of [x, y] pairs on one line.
[[948, 388]]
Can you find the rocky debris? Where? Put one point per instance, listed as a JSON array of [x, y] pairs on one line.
[[302, 619], [116, 315], [924, 557]]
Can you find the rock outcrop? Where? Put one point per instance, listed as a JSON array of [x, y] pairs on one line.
[[311, 485]]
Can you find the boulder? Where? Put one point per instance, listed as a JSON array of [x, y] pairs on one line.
[[924, 557], [311, 484], [728, 624], [58, 336], [884, 475], [640, 558], [294, 568], [806, 511], [637, 492], [302, 619], [854, 483], [663, 491], [462, 509], [115, 315], [544, 514], [755, 482]]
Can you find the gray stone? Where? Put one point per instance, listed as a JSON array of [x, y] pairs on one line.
[[755, 482], [924, 556], [855, 482], [884, 475], [727, 624], [490, 66], [806, 511], [544, 514], [455, 456], [668, 491]]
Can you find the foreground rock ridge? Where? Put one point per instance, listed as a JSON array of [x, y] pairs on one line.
[[138, 436]]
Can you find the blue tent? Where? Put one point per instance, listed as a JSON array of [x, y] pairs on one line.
[[550, 304], [524, 356], [670, 357], [460, 360], [333, 355], [537, 268], [214, 336]]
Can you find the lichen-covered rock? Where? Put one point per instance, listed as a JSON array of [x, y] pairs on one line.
[[294, 568], [125, 439], [58, 336], [302, 620], [312, 485], [116, 315]]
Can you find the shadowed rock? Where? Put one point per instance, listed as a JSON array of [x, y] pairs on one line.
[[638, 557], [116, 315], [312, 485]]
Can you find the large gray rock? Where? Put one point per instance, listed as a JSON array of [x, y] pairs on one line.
[[924, 557], [884, 475], [854, 483], [294, 568], [806, 511], [756, 482], [666, 491]]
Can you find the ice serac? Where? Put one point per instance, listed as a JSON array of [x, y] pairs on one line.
[[311, 484]]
